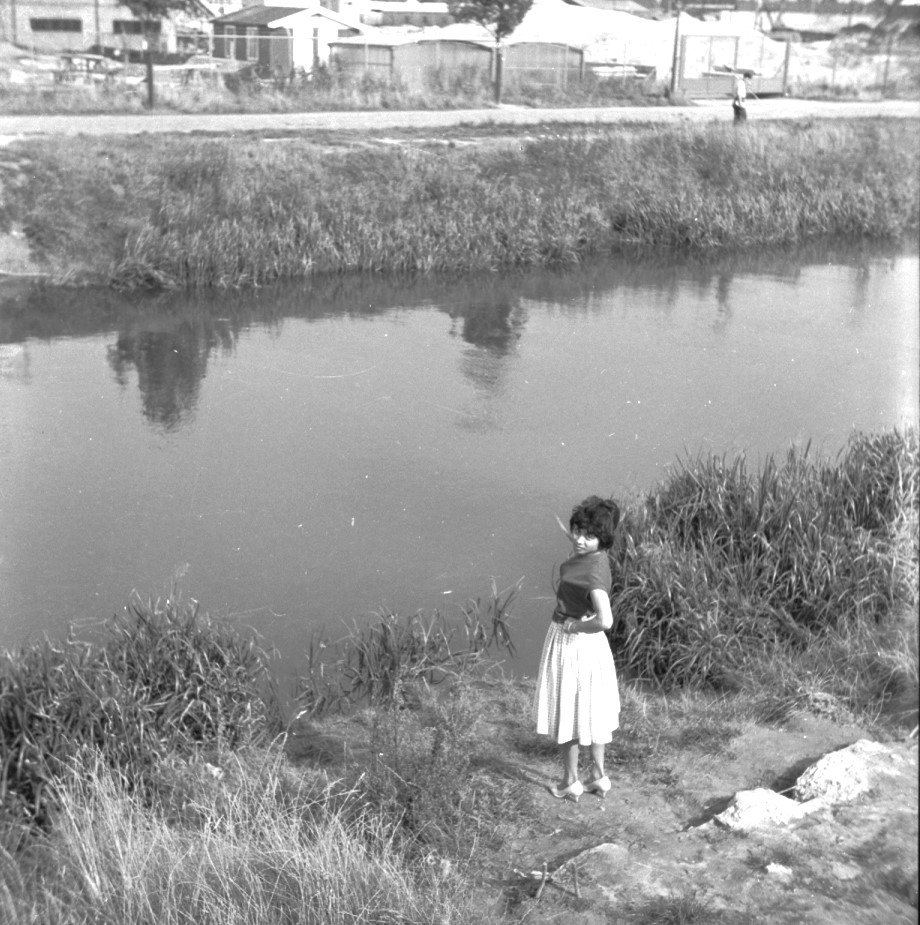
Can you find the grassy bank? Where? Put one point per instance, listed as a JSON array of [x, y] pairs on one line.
[[162, 211], [149, 771]]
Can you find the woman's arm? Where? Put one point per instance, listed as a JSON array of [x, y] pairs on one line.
[[601, 622]]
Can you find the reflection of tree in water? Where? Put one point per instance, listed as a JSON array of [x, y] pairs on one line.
[[862, 278], [492, 328], [723, 302], [170, 366], [495, 326]]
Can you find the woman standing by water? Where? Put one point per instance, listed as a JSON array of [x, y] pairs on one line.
[[577, 701]]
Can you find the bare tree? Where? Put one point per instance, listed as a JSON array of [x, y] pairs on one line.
[[500, 17]]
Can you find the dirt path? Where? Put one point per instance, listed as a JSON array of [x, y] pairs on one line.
[[12, 127], [647, 855]]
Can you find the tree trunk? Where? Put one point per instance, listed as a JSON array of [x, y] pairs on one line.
[[499, 72], [148, 61]]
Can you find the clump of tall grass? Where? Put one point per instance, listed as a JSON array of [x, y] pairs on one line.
[[238, 212], [802, 576], [162, 679], [426, 775], [265, 844], [434, 778], [382, 662]]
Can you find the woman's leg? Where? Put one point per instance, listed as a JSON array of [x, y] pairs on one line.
[[569, 752], [571, 787], [597, 756]]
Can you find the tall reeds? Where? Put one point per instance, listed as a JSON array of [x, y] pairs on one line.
[[144, 756], [262, 845], [725, 573], [380, 662], [163, 679], [192, 213], [425, 691]]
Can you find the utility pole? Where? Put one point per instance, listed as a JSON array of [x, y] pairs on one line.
[[675, 57], [148, 61]]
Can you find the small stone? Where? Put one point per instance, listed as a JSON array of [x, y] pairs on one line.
[[844, 871], [780, 871], [215, 772]]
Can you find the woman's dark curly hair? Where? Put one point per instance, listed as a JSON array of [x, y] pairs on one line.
[[596, 517]]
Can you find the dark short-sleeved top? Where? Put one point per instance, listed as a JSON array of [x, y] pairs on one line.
[[578, 577]]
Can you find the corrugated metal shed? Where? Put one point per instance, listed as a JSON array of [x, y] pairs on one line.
[[409, 58], [544, 63]]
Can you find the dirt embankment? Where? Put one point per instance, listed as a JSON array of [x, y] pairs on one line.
[[653, 851]]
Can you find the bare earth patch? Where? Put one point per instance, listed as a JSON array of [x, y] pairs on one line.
[[652, 852], [657, 853]]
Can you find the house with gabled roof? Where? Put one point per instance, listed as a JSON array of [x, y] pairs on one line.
[[279, 39]]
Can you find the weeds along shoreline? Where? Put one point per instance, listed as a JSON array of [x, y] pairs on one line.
[[163, 211], [151, 768]]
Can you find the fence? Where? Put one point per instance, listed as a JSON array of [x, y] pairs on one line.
[[416, 64]]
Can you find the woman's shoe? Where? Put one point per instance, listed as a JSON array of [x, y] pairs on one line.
[[572, 792], [599, 786]]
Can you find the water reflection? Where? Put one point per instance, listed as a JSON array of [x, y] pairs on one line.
[[316, 451], [494, 326], [15, 363], [168, 340], [170, 366], [723, 303]]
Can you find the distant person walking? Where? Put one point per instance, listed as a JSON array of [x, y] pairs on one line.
[[577, 701], [739, 97]]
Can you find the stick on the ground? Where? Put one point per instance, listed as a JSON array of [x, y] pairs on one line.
[[542, 884]]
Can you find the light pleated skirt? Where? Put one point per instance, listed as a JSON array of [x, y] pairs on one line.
[[577, 698]]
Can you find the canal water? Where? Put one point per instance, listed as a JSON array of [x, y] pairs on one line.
[[304, 456]]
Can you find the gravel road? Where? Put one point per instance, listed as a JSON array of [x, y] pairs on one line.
[[12, 127]]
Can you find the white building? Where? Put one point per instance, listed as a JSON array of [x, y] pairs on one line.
[[51, 26]]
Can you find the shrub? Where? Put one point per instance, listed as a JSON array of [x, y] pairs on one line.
[[721, 569], [162, 679]]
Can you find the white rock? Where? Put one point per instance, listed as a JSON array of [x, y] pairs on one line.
[[780, 871], [848, 773], [844, 871], [753, 809]]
